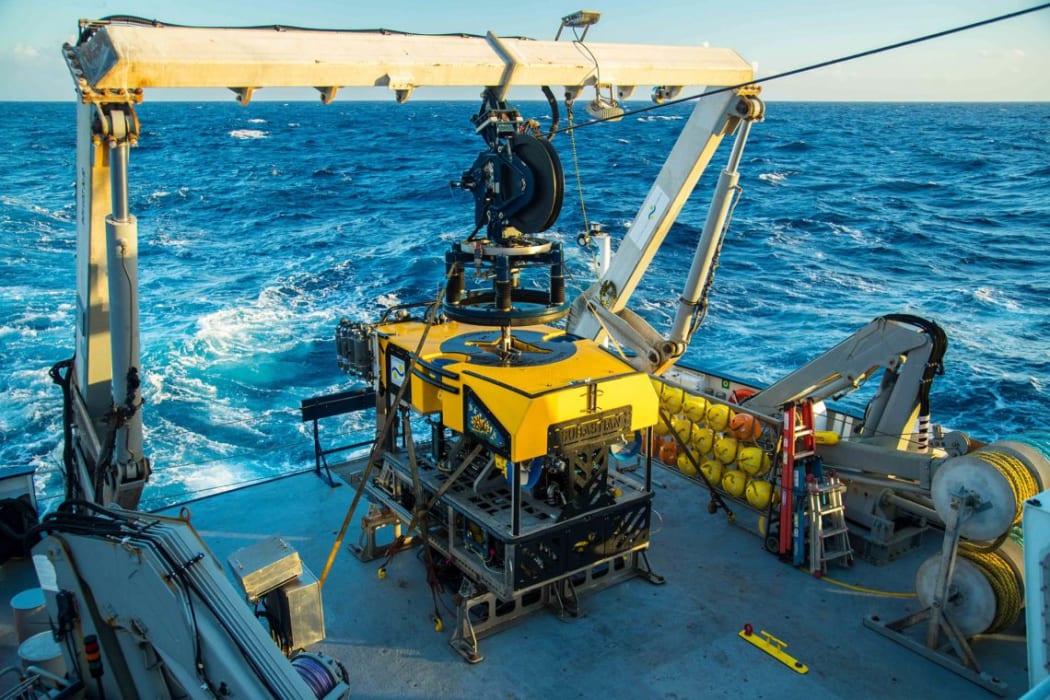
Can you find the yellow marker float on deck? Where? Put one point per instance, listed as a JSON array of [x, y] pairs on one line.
[[774, 647]]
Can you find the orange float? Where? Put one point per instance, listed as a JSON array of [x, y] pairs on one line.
[[669, 452], [745, 426]]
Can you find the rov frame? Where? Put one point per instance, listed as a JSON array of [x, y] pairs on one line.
[[516, 552]]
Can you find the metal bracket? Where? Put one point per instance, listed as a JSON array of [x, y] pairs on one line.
[[401, 84], [88, 94], [244, 95], [895, 632], [328, 94], [511, 62], [115, 122], [663, 93], [464, 639], [938, 619], [630, 329], [572, 92], [582, 18], [376, 519], [645, 569]]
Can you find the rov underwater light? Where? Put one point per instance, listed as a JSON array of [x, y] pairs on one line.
[[605, 108]]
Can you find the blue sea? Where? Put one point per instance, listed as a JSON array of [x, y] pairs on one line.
[[260, 227]]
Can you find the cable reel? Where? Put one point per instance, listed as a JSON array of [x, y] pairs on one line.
[[324, 675], [518, 186]]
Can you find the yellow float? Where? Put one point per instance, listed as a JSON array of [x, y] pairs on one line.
[[734, 482], [672, 399], [703, 439], [695, 409], [682, 428], [759, 493], [712, 470], [753, 460], [725, 449], [718, 416], [685, 464]]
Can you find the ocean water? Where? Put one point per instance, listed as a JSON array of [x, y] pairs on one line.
[[260, 227]]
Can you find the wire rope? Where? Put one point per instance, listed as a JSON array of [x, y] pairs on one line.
[[825, 64]]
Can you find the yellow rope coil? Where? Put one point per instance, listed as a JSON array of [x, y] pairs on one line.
[[1017, 475], [1005, 585], [996, 569]]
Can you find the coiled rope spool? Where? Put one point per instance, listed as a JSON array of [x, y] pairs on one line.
[[988, 588], [1003, 474]]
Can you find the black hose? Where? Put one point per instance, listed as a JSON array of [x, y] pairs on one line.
[[60, 374], [935, 365], [555, 112]]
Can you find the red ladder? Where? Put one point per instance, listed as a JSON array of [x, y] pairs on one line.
[[797, 443]]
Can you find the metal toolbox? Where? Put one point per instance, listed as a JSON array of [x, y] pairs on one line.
[[297, 611], [265, 566]]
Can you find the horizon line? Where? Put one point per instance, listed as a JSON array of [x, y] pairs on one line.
[[233, 100]]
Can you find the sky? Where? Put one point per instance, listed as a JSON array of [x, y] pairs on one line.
[[1009, 61]]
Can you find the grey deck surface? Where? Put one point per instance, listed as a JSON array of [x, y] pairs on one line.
[[636, 640]]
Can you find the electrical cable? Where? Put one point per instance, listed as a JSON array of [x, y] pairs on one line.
[[825, 64], [576, 163], [88, 26], [555, 113], [579, 181], [578, 43], [862, 589], [388, 423], [71, 480]]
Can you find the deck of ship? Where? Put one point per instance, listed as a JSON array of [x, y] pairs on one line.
[[636, 639]]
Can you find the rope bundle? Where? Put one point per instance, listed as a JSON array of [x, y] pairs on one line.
[[1021, 480], [1001, 577]]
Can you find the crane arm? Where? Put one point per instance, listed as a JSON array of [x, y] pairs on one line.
[[601, 309], [121, 56], [908, 348]]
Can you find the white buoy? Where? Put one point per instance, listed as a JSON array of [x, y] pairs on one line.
[[42, 651], [30, 614]]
